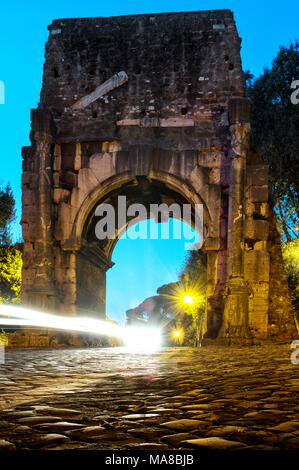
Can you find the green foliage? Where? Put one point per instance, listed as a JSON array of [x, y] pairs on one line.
[[290, 253], [193, 275], [7, 215], [10, 257], [192, 281], [275, 136], [275, 133], [10, 274], [3, 337]]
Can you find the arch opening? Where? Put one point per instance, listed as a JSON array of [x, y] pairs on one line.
[[143, 264], [95, 257]]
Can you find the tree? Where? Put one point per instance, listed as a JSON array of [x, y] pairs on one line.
[[7, 215], [290, 253], [193, 274], [275, 136], [10, 256], [149, 312], [275, 133], [171, 305], [10, 274], [192, 282]]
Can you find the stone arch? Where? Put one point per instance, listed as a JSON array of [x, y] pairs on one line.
[[95, 258], [175, 183], [116, 125]]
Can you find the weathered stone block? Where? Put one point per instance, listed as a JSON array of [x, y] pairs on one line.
[[256, 265], [28, 231], [209, 158], [60, 195], [257, 175], [68, 152], [28, 255], [77, 159], [71, 179], [264, 210], [102, 165], [29, 213], [212, 244], [239, 110], [28, 197], [64, 223], [57, 158], [77, 197], [176, 122], [149, 122], [256, 229], [199, 178], [214, 176], [249, 208], [87, 180], [42, 123], [128, 122], [258, 309], [28, 274], [261, 245], [258, 193], [56, 180], [225, 175], [29, 179], [114, 146]]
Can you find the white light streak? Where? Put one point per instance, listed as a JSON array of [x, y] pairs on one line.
[[145, 339], [142, 339]]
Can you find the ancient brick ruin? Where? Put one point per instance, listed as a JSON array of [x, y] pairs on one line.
[[170, 124]]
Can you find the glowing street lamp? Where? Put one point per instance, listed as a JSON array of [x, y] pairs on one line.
[[178, 335], [188, 299]]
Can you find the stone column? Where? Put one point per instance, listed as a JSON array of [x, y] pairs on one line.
[[42, 293], [235, 326], [91, 267]]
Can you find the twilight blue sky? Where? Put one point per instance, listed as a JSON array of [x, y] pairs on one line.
[[263, 26]]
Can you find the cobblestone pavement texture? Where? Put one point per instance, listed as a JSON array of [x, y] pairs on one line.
[[177, 398]]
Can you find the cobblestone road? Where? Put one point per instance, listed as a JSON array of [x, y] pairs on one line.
[[179, 398]]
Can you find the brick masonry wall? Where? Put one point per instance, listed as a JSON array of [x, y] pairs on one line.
[[177, 64]]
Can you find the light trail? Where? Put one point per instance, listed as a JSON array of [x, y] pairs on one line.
[[135, 338]]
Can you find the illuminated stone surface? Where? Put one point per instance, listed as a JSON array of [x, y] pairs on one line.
[[95, 390], [176, 131]]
